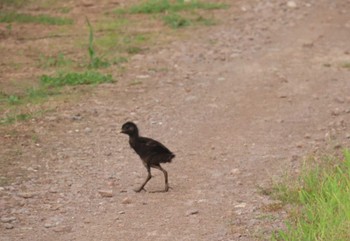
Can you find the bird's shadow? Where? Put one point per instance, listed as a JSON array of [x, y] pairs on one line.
[[155, 191], [158, 191]]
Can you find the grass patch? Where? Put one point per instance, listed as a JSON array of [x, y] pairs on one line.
[[113, 31], [34, 95], [95, 61], [11, 17], [15, 105], [175, 20], [162, 6], [74, 78], [205, 21], [31, 95], [133, 50], [13, 117], [54, 61], [119, 60], [14, 3], [169, 10], [18, 107], [13, 99], [121, 42], [135, 82], [322, 204], [65, 10], [346, 65], [4, 181]]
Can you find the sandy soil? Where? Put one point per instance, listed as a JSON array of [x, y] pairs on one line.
[[240, 104]]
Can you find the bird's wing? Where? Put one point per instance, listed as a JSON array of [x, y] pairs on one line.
[[154, 145]]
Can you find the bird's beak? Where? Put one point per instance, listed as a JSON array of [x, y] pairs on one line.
[[122, 131]]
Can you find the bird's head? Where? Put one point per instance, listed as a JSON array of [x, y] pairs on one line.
[[130, 129]]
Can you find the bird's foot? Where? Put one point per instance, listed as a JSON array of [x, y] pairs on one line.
[[140, 189], [166, 189]]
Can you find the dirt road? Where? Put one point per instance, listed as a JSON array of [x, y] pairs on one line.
[[240, 104]]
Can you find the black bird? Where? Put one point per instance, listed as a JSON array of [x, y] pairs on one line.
[[151, 152]]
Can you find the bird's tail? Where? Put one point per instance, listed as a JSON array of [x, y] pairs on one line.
[[171, 157]]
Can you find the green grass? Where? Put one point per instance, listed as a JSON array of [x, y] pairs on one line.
[[175, 20], [11, 17], [15, 105], [20, 107], [15, 3], [95, 61], [162, 6], [9, 27], [120, 60], [170, 11], [74, 78], [133, 50], [322, 199], [13, 117], [49, 85], [122, 41], [346, 65], [36, 94], [116, 36], [130, 43], [13, 99], [32, 95], [54, 61], [65, 10], [205, 21]]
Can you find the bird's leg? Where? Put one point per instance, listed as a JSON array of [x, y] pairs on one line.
[[149, 176], [165, 177]]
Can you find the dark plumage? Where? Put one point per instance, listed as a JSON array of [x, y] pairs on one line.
[[151, 152]]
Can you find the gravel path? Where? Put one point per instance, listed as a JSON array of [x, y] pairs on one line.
[[240, 104]]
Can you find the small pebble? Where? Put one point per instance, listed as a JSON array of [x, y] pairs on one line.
[[76, 117], [299, 145], [337, 146], [192, 212], [235, 171], [340, 100], [106, 193], [87, 3], [282, 96], [142, 76], [62, 229], [336, 112], [49, 225], [241, 205], [8, 226], [126, 200], [87, 130], [51, 118], [291, 4], [8, 219], [52, 190], [26, 194]]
